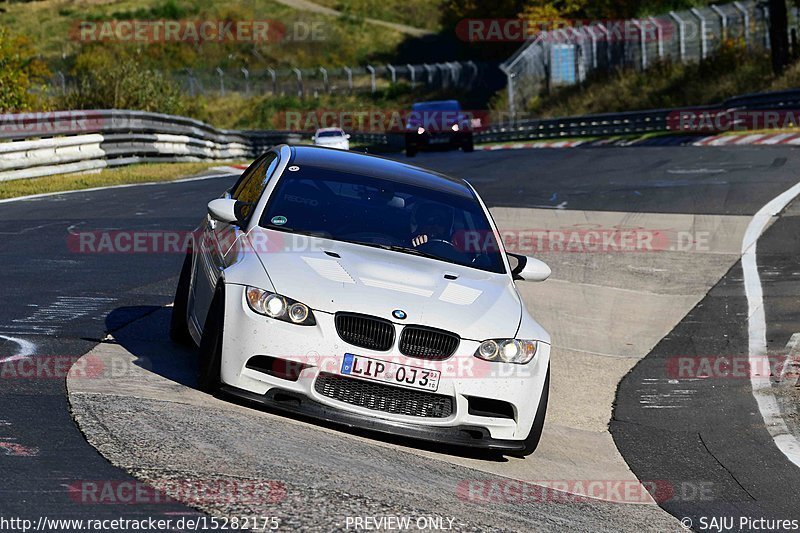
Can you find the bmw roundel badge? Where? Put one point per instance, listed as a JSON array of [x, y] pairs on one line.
[[399, 314]]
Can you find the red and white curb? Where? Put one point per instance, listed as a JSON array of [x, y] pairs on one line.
[[762, 139], [537, 144], [230, 169]]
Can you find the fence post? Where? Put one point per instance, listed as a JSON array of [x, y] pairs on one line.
[[442, 75], [703, 41], [246, 81], [512, 109], [299, 75], [475, 72], [274, 77], [221, 75], [643, 45], [413, 73], [63, 81], [767, 40], [349, 72], [325, 86], [393, 72], [681, 35], [745, 22], [659, 37], [429, 70], [723, 19], [608, 44], [371, 70], [593, 37]]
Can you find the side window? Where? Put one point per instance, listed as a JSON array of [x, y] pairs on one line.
[[253, 182]]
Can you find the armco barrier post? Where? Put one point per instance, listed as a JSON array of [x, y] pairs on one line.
[[221, 75], [393, 72]]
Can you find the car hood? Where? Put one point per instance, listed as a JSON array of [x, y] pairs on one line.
[[476, 305]]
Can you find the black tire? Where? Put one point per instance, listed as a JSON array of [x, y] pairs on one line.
[[469, 144], [208, 375], [179, 326], [411, 151], [532, 441]]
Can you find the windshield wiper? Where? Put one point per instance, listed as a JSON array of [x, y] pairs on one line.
[[397, 248]]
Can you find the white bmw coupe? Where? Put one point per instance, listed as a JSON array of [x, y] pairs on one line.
[[370, 293]]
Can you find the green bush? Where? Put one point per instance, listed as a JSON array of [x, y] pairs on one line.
[[115, 78], [20, 73]]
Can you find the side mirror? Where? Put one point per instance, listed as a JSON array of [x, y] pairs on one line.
[[529, 269], [347, 136], [227, 210], [313, 138]]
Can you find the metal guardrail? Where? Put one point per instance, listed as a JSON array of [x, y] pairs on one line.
[[42, 144], [634, 122]]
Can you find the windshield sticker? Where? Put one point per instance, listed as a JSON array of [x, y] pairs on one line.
[[279, 220], [294, 168]]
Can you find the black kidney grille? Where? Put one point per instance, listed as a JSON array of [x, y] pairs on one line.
[[427, 343], [386, 398], [365, 331]]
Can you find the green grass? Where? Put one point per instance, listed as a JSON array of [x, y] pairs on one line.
[[422, 14], [144, 173], [50, 25]]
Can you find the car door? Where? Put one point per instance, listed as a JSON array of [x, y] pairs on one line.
[[217, 238]]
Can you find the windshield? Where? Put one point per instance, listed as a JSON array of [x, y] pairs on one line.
[[445, 105], [331, 133], [375, 212]]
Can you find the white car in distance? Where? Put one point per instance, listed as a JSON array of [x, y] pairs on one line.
[[332, 138]]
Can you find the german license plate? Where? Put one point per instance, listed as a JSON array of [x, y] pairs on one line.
[[392, 373], [439, 140]]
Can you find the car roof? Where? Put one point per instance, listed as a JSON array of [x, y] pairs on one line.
[[378, 167], [329, 129]]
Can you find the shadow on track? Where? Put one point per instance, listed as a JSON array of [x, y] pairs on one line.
[[143, 331]]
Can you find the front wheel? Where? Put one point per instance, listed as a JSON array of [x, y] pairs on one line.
[[208, 377], [532, 441], [469, 144], [179, 325]]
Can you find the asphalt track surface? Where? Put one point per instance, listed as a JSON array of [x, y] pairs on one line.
[[61, 302]]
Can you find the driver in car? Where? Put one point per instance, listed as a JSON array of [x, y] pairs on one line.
[[431, 222]]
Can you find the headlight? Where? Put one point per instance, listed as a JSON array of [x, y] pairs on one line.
[[507, 351], [454, 127], [279, 307], [420, 130]]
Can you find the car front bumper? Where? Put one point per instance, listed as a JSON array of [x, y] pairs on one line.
[[319, 349]]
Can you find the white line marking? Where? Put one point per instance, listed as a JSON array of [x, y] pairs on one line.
[[757, 326], [26, 349]]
